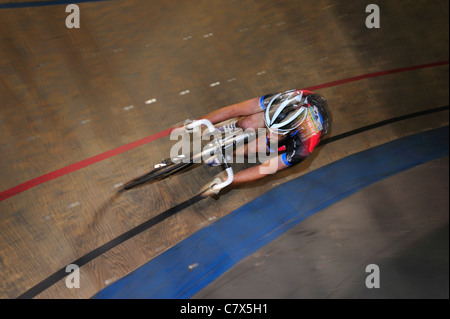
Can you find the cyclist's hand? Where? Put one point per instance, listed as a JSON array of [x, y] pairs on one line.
[[186, 123], [214, 184]]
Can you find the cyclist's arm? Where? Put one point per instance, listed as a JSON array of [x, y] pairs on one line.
[[239, 109], [254, 173]]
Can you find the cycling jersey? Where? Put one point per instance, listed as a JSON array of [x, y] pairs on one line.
[[302, 141]]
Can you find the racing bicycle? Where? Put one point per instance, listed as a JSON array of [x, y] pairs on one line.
[[217, 148]]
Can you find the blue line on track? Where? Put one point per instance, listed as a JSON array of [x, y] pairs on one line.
[[216, 248], [30, 4]]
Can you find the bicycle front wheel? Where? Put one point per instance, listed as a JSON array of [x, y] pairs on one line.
[[165, 169]]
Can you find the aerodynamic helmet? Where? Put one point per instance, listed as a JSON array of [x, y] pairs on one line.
[[285, 111]]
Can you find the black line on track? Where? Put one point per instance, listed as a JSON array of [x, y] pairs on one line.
[[60, 274], [383, 123]]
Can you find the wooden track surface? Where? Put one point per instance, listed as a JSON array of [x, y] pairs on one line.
[[67, 95]]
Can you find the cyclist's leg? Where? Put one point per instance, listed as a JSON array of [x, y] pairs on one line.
[[253, 121], [243, 151], [252, 148]]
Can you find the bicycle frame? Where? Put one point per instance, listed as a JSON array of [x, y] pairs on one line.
[[215, 148], [219, 145]]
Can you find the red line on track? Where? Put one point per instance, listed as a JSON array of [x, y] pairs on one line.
[[372, 75], [79, 165], [121, 149]]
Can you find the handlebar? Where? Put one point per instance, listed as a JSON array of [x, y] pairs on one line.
[[197, 123], [217, 183]]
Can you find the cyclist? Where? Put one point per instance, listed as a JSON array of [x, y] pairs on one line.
[[296, 119]]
